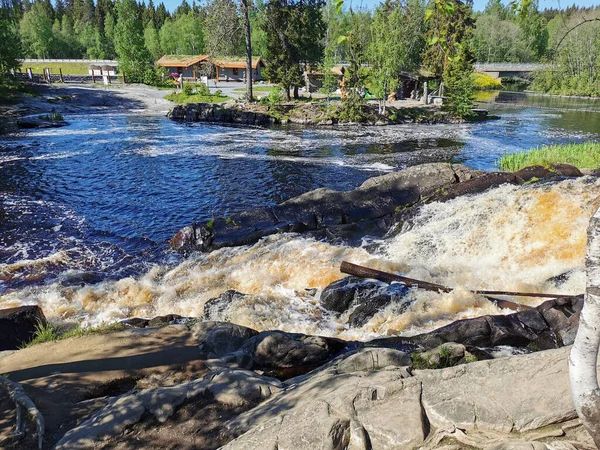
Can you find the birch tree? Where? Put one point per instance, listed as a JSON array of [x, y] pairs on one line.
[[584, 354]]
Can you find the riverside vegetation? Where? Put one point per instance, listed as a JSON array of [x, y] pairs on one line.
[[583, 156]]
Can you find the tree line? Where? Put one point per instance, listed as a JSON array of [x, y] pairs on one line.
[[444, 36]]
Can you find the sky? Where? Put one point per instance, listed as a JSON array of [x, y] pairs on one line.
[[478, 4]]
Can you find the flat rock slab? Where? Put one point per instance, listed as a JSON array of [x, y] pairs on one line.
[[393, 410]]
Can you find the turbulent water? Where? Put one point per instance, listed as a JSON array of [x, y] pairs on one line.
[[86, 210]]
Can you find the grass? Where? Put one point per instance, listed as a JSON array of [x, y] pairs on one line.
[[267, 89], [68, 68], [583, 156], [54, 117], [182, 98], [49, 333]]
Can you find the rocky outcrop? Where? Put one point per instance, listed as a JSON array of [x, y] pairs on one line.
[[18, 325], [311, 114], [328, 213], [338, 407], [230, 387], [551, 325], [216, 308], [207, 112]]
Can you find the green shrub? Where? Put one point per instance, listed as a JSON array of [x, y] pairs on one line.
[[273, 99], [188, 89], [486, 82]]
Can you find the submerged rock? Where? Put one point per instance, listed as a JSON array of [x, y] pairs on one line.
[[215, 308], [335, 214], [18, 325]]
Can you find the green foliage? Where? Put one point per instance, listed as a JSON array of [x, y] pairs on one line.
[[224, 32], [188, 89], [44, 332], [583, 156], [274, 98], [459, 85], [134, 58], [396, 45], [486, 82], [183, 98], [420, 361], [10, 44], [294, 31], [183, 35]]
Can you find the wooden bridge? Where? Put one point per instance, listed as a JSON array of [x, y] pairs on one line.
[[499, 70]]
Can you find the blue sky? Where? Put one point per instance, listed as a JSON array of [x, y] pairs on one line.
[[479, 4]]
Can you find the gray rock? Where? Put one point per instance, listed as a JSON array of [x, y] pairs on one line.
[[230, 387], [488, 400], [279, 350], [340, 295], [373, 359], [18, 325], [217, 339]]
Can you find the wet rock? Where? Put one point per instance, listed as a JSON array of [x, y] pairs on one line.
[[155, 322], [366, 296], [341, 294], [215, 308], [372, 305], [217, 339], [553, 324], [342, 214], [18, 325]]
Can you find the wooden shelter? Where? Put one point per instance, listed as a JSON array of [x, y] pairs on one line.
[[187, 65], [235, 69]]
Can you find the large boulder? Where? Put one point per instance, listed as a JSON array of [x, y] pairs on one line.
[[284, 355], [369, 207], [18, 325], [216, 339]]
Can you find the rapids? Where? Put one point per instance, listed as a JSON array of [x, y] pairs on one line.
[[513, 238], [86, 211]]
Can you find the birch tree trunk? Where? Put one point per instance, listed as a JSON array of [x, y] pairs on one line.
[[583, 359]]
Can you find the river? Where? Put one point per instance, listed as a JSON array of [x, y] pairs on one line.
[[86, 210]]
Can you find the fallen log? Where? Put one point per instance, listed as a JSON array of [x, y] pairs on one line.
[[386, 277], [17, 394]]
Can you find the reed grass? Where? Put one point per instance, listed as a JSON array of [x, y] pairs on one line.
[[583, 156], [45, 332]]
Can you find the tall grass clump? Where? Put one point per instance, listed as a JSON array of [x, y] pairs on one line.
[[583, 156]]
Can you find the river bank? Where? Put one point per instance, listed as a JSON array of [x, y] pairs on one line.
[[311, 114], [59, 99]]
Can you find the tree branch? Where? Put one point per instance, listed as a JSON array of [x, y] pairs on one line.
[[576, 26]]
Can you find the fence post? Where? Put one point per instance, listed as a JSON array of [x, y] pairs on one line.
[[61, 75]]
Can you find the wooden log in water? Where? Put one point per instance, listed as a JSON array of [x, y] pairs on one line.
[[367, 272]]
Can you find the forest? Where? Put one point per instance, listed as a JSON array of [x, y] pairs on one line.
[[397, 36]]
